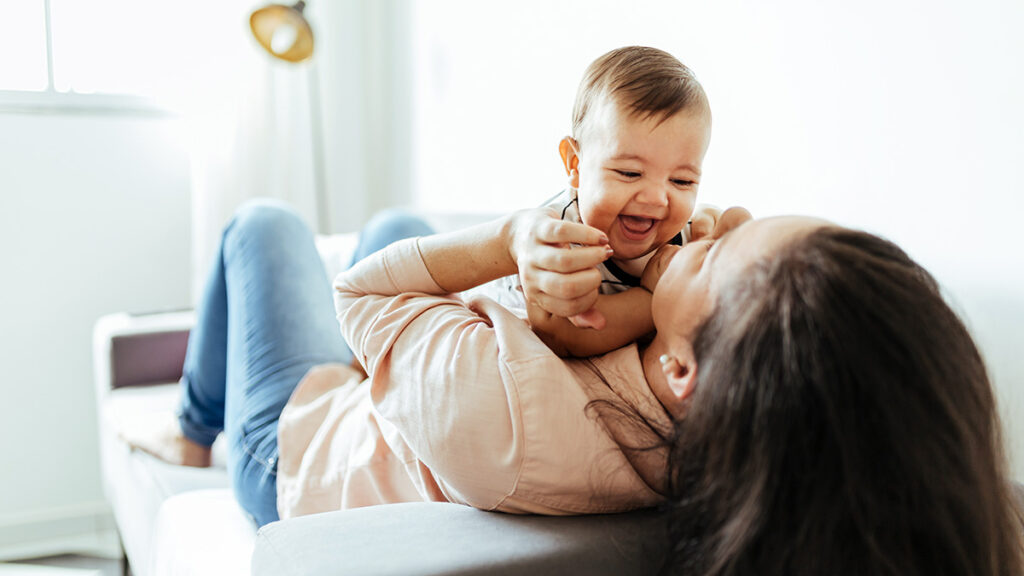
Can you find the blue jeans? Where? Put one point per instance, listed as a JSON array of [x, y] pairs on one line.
[[266, 317]]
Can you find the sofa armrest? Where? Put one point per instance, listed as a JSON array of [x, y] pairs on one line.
[[139, 349], [448, 539]]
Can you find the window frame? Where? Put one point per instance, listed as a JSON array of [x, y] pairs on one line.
[[51, 100]]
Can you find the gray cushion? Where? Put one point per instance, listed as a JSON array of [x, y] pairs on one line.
[[433, 539]]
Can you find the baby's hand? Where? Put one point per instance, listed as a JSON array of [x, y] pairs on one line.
[[709, 220], [557, 261], [731, 219], [656, 266], [705, 218], [724, 222]]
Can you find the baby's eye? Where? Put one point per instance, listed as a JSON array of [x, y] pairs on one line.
[[627, 173], [682, 183]]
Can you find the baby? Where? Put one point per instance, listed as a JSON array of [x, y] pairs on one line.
[[641, 126]]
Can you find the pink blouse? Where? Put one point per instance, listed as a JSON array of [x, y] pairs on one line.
[[465, 404]]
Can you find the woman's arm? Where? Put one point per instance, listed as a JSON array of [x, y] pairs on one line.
[[470, 257], [448, 381], [533, 243], [467, 258], [445, 263]]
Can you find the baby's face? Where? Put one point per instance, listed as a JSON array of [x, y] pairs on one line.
[[638, 177]]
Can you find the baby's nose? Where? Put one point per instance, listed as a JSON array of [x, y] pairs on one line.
[[653, 194]]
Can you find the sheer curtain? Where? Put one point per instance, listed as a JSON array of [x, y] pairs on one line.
[[255, 129], [247, 126]]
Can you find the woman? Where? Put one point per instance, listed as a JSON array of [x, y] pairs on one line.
[[465, 404], [830, 413], [842, 423]]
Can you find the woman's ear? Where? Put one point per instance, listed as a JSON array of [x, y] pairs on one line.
[[569, 151], [680, 374]]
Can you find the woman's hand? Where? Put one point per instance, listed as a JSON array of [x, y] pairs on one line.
[[557, 263]]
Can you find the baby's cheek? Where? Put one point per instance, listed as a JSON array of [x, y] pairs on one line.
[[682, 215], [686, 206], [598, 219]]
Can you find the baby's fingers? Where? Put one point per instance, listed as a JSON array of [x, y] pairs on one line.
[[731, 219], [703, 221], [592, 319]]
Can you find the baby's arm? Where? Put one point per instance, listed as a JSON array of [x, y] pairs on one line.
[[627, 315]]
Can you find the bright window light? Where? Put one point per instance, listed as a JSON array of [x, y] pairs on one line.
[[129, 47], [23, 33], [103, 46]]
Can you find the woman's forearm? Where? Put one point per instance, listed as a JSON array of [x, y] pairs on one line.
[[467, 258]]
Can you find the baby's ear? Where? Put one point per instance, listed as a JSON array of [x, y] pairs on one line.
[[568, 148]]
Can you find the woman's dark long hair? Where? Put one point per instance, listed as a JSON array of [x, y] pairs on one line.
[[843, 423]]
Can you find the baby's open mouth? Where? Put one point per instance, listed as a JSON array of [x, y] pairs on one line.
[[635, 227]]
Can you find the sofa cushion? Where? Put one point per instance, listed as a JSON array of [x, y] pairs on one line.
[[448, 539], [202, 532], [140, 487]]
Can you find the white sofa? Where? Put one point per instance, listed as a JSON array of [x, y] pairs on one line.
[[177, 520]]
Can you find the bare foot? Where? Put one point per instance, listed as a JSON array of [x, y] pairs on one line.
[[160, 434]]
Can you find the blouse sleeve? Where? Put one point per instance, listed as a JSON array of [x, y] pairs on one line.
[[436, 373]]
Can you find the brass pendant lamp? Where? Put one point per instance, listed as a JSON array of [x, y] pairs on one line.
[[283, 31]]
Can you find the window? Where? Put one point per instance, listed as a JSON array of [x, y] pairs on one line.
[[23, 32], [116, 54]]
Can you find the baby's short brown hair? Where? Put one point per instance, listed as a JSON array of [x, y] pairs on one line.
[[646, 81]]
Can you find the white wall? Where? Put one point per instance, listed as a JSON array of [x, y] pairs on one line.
[[97, 212], [94, 218], [903, 118]]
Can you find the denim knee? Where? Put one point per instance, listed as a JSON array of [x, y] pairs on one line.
[[389, 226], [265, 220], [397, 223]]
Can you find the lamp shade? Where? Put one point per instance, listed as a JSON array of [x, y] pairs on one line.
[[283, 31]]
